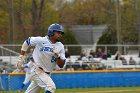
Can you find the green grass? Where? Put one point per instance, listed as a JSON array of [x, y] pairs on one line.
[[93, 90]]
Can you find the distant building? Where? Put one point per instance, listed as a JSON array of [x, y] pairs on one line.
[[88, 34]]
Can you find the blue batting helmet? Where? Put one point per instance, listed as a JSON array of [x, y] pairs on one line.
[[54, 27]]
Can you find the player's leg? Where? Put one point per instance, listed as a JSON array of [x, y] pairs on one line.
[[33, 88], [22, 86], [27, 78], [45, 81], [50, 84]]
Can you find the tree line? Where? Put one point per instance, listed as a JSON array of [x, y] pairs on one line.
[[20, 19]]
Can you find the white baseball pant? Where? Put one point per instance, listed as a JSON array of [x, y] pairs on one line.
[[27, 78], [39, 79]]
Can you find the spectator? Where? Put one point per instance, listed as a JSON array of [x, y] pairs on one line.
[[82, 55], [99, 53], [92, 53], [104, 55], [109, 54], [132, 61], [67, 54], [69, 65]]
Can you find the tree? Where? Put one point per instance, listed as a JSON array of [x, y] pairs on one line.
[[3, 22], [37, 9]]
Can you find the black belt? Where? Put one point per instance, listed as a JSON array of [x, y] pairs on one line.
[[43, 70]]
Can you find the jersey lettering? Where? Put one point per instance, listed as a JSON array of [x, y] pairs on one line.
[[46, 49]]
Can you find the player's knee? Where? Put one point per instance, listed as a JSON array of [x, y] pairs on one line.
[[51, 89]]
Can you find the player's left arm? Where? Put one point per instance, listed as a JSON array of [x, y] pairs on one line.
[[60, 57], [60, 63]]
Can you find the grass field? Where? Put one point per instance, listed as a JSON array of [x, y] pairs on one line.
[[93, 90]]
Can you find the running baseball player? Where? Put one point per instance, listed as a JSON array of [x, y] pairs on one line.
[[48, 53], [27, 68]]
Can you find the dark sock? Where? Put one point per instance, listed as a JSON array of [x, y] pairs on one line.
[[22, 86], [48, 92]]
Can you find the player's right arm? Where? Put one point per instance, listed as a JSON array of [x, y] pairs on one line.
[[31, 41], [21, 57]]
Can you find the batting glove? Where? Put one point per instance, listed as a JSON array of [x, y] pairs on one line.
[[55, 51], [20, 62]]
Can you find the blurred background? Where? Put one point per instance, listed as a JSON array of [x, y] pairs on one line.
[[99, 34], [20, 19]]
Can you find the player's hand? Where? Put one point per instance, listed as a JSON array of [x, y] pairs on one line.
[[20, 61], [56, 52]]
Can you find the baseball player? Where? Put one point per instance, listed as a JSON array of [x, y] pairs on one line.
[[48, 53], [27, 68], [1, 86]]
